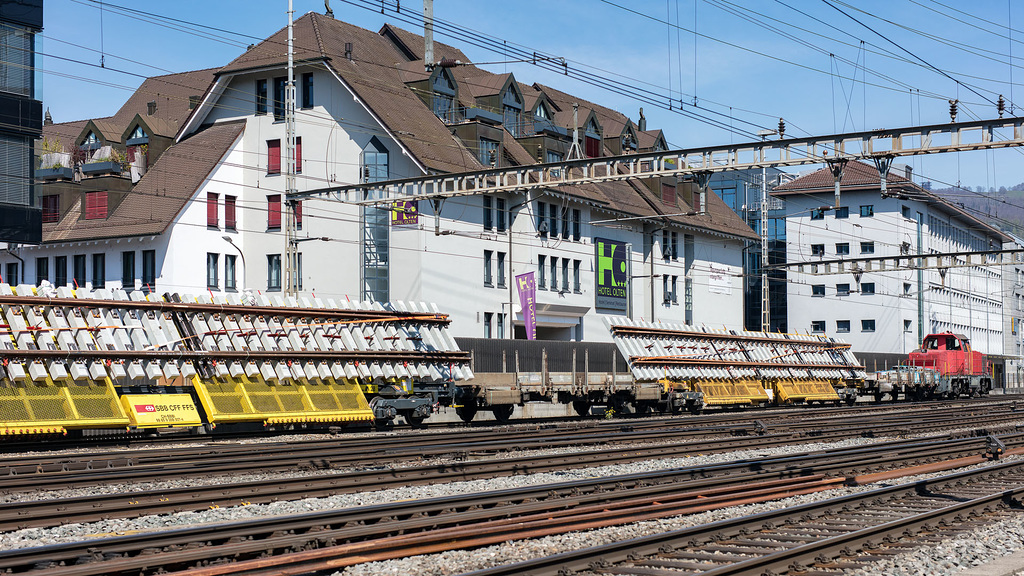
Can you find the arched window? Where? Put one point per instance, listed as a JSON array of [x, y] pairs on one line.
[[374, 161], [138, 132]]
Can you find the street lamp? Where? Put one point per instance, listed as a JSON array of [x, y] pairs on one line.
[[235, 246]]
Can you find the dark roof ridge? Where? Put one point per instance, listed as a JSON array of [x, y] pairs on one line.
[[316, 32]]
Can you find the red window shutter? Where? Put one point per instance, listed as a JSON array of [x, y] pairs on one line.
[[229, 212], [51, 208], [95, 205], [298, 154], [273, 156], [274, 211], [298, 214], [593, 147], [668, 194], [212, 209]]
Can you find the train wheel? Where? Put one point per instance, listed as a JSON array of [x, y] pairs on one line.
[[503, 412], [582, 407], [413, 420], [467, 411]]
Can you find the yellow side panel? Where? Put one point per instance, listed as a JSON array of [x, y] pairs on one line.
[[259, 400], [725, 392], [804, 390], [52, 407], [161, 410]]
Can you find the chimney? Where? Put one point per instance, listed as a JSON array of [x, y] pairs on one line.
[[641, 124], [348, 50], [428, 34], [151, 107]]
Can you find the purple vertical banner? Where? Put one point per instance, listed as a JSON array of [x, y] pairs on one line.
[[527, 286]]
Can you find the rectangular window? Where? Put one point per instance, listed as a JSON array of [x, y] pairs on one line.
[[501, 325], [79, 272], [554, 274], [553, 221], [675, 293], [274, 212], [843, 212], [842, 248], [149, 270], [576, 276], [229, 271], [488, 318], [867, 288], [565, 223], [212, 266], [576, 228], [842, 325], [818, 290], [817, 249], [501, 214], [488, 152], [42, 270], [666, 294], [867, 247], [298, 154], [261, 96], [817, 214], [867, 325], [541, 272], [842, 289], [488, 216], [99, 271], [212, 210], [666, 248], [11, 276], [668, 194], [297, 207], [817, 325], [565, 274], [273, 272], [675, 245], [229, 212], [280, 84], [905, 210], [298, 271], [542, 228], [95, 205], [60, 270], [128, 270], [501, 269], [487, 267], [307, 90], [867, 210], [274, 156], [51, 208]]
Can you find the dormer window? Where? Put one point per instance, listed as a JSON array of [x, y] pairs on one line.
[[91, 141], [628, 143], [659, 145], [542, 112], [137, 137], [592, 139], [512, 106], [444, 96]]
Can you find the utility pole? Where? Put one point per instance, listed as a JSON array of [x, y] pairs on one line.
[[291, 247], [765, 303]]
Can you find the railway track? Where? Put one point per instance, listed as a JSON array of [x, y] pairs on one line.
[[332, 539], [820, 538]]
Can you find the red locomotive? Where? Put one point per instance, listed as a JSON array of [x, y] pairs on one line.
[[961, 369]]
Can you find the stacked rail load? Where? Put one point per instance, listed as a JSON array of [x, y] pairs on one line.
[[110, 359], [699, 366]]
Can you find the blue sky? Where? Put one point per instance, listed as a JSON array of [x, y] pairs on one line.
[[749, 63]]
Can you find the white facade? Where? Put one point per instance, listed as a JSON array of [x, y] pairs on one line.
[[891, 312]]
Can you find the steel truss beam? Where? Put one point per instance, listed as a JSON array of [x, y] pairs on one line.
[[867, 145], [940, 261]]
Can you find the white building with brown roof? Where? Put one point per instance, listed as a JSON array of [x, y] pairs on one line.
[[885, 315], [206, 213]]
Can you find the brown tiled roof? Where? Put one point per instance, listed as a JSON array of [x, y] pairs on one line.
[[66, 132], [414, 44], [151, 206], [859, 176], [647, 138], [171, 93], [374, 74], [855, 175], [484, 84]]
